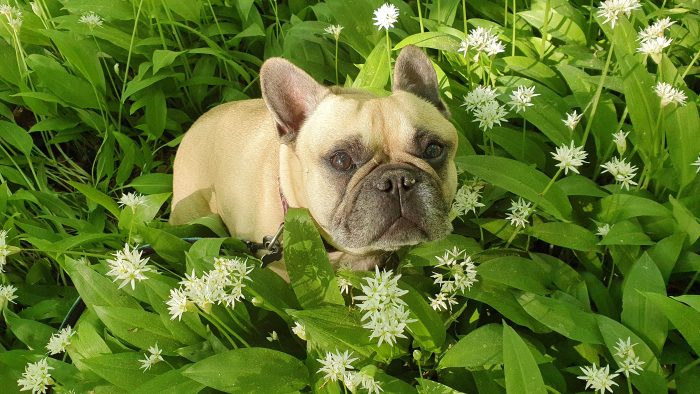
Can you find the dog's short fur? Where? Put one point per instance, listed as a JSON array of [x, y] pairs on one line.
[[239, 157]]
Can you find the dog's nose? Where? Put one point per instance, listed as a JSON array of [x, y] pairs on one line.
[[396, 181]]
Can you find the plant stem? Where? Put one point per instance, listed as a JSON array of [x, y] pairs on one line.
[[512, 41], [420, 17], [687, 69], [596, 97], [128, 64], [336, 61], [388, 53]]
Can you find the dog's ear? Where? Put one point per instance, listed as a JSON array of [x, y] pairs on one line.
[[415, 74], [291, 95]]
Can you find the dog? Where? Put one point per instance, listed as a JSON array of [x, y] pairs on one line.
[[375, 172]]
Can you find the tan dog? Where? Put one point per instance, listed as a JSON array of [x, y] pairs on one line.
[[376, 173]]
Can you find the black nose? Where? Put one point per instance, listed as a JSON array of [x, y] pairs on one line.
[[396, 181]]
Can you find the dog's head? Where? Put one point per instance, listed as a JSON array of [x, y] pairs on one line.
[[376, 173]]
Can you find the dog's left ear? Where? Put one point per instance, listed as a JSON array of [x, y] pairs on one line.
[[414, 73]]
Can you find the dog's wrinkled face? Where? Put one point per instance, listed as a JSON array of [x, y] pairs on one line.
[[377, 173]]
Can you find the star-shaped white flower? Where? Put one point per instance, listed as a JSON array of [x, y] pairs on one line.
[[572, 119], [569, 157], [386, 16], [669, 94]]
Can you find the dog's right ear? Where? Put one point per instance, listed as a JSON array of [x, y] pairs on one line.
[[291, 95]]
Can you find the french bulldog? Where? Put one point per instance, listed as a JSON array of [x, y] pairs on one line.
[[375, 172]]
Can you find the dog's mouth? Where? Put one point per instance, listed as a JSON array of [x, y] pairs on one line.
[[402, 231]]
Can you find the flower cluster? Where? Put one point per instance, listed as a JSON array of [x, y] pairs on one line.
[[599, 379], [4, 250], [7, 294], [481, 41], [36, 377], [622, 171], [521, 98], [569, 157], [628, 360], [128, 266], [458, 275], [13, 16], [486, 109], [467, 199], [131, 200], [620, 140], [299, 330], [222, 285], [519, 212], [572, 120], [603, 230], [384, 310], [60, 340], [652, 39], [91, 19], [334, 30], [152, 357], [612, 9], [385, 17], [668, 94], [338, 367]]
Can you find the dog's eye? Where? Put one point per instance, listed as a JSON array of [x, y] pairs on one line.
[[342, 161], [432, 151]]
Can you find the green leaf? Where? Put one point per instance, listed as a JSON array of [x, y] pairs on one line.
[[612, 331], [375, 71], [250, 370], [153, 183], [97, 197], [164, 58], [638, 313], [138, 327], [168, 246], [687, 222], [520, 179], [684, 318], [16, 136], [521, 371], [33, 334], [122, 369], [306, 260], [516, 272], [563, 317], [94, 288], [428, 330], [173, 382], [425, 254], [436, 40], [480, 349], [534, 69], [81, 54], [618, 207], [626, 233], [505, 302], [568, 235], [577, 185]]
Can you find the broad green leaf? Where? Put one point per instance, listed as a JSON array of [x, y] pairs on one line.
[[250, 370], [94, 288], [68, 89], [168, 246], [425, 254], [153, 183], [505, 302], [626, 233], [538, 71], [426, 386], [617, 207], [164, 58], [666, 253], [684, 318], [82, 55], [563, 317], [690, 299], [578, 185], [687, 221], [16, 136], [306, 260], [428, 330], [568, 235], [123, 369], [169, 382], [97, 197], [139, 328], [516, 272], [479, 349], [435, 40], [33, 334], [520, 179], [638, 313], [375, 71], [612, 331], [521, 371]]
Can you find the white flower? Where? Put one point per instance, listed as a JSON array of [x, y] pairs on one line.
[[151, 359], [519, 212], [299, 330], [603, 230], [569, 157], [91, 19], [334, 30], [36, 8], [466, 199], [273, 336], [383, 307], [622, 171], [599, 379], [521, 98], [620, 139], [7, 294], [460, 273], [386, 16], [479, 96], [697, 164], [13, 15], [442, 301], [222, 285], [655, 30], [335, 365], [36, 377], [572, 120], [344, 285], [177, 303], [624, 349], [4, 250], [361, 379], [612, 9], [481, 41], [60, 340], [654, 46], [669, 94], [131, 200], [630, 365], [128, 266], [489, 114]]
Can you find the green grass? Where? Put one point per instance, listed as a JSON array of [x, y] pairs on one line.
[[90, 112]]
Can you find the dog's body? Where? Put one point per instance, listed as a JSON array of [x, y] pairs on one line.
[[376, 173]]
